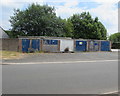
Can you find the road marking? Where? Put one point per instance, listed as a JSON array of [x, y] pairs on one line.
[[65, 62], [112, 92]]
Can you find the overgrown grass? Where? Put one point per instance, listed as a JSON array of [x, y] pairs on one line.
[[10, 55], [15, 55]]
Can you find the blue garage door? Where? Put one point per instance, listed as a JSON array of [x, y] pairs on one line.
[[105, 46], [25, 45], [81, 45], [36, 44]]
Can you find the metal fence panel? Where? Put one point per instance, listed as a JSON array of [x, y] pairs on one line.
[[25, 45], [81, 46], [105, 45], [35, 44]]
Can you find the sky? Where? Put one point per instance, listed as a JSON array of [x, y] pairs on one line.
[[105, 10]]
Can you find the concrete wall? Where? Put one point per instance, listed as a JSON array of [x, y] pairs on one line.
[[60, 47], [9, 44], [50, 48], [94, 45]]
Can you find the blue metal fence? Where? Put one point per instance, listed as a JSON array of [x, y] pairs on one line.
[[35, 44], [105, 46], [25, 45], [81, 45]]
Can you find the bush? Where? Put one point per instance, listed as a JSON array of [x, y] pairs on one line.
[[116, 45]]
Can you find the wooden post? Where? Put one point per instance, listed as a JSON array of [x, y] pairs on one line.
[[99, 45], [87, 46], [74, 45], [110, 45], [58, 45], [41, 45], [20, 45]]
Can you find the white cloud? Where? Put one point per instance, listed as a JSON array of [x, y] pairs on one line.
[[65, 12], [106, 11], [68, 8], [7, 7], [108, 14], [71, 3], [105, 1]]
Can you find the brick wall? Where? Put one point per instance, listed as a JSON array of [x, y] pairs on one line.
[[9, 44]]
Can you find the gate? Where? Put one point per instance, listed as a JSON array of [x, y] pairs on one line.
[[105, 45], [81, 46], [35, 44], [25, 45]]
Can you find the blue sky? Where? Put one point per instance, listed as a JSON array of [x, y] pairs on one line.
[[105, 10]]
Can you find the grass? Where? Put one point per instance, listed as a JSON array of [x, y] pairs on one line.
[[15, 55], [10, 55]]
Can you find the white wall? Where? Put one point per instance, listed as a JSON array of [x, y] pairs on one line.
[[64, 43]]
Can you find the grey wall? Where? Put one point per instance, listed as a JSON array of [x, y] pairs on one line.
[[9, 44], [50, 48], [92, 47]]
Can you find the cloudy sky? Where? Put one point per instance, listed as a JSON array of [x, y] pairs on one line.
[[105, 10]]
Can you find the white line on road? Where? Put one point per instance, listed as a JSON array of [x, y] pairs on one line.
[[112, 92], [64, 62]]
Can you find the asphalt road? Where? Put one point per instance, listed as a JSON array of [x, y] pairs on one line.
[[76, 73]]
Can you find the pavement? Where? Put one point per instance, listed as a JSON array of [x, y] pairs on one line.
[[62, 57], [62, 73], [115, 50]]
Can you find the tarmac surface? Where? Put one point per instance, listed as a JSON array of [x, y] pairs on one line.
[[62, 73]]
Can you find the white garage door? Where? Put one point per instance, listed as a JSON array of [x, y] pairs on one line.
[[66, 44]]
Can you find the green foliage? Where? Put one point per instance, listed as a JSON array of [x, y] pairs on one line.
[[88, 28], [115, 38], [68, 28], [10, 33], [116, 45], [36, 20]]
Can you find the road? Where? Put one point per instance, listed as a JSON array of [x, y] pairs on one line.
[[69, 73]]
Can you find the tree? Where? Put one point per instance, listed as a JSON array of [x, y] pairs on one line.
[[36, 20], [9, 33], [87, 28], [68, 28], [115, 38]]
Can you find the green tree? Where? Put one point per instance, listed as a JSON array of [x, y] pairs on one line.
[[36, 20], [9, 33], [67, 28], [115, 38], [87, 28]]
